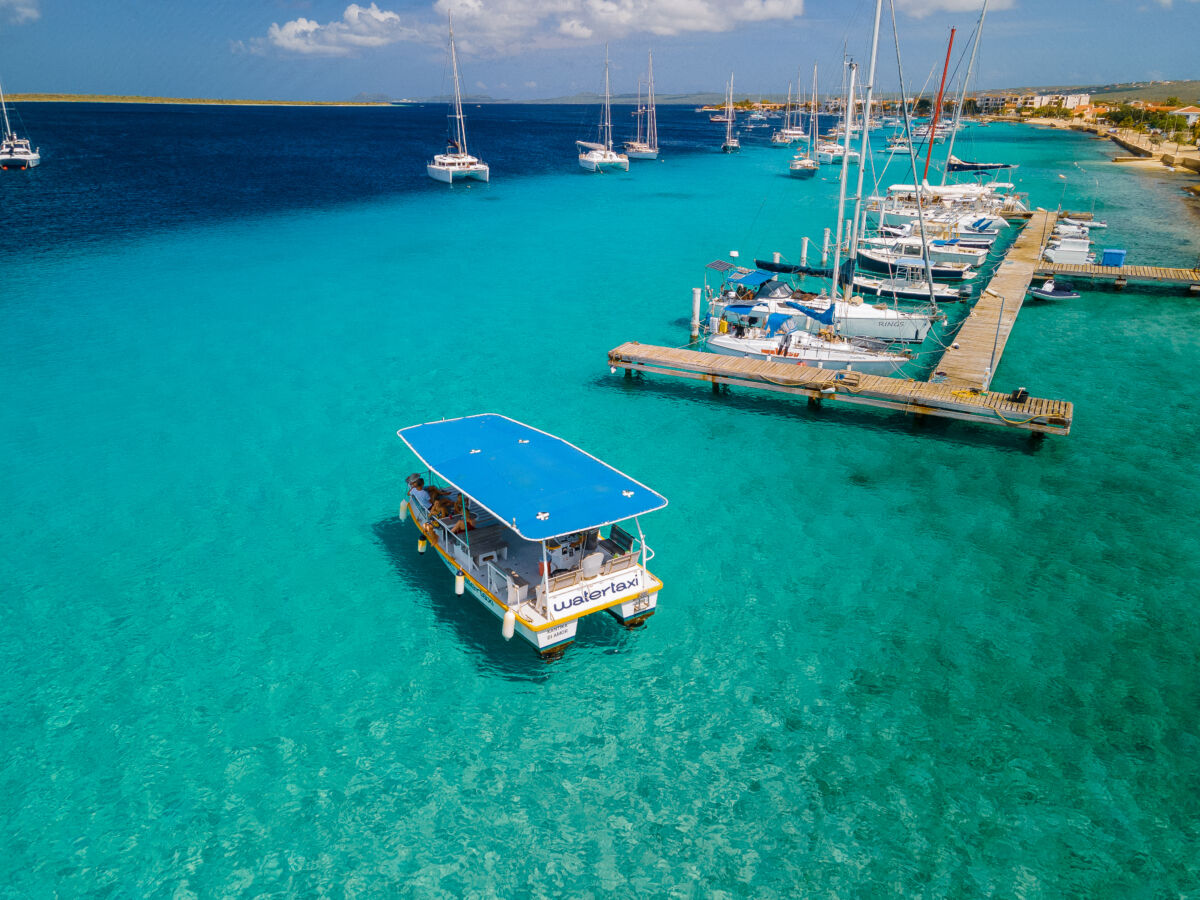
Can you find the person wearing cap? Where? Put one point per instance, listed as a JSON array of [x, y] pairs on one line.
[[417, 491]]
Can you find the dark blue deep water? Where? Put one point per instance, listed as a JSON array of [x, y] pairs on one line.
[[891, 657]]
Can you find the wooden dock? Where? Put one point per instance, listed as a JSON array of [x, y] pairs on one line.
[[942, 400], [1120, 276], [972, 359]]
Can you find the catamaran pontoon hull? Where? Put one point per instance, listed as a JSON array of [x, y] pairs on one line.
[[450, 172], [604, 161]]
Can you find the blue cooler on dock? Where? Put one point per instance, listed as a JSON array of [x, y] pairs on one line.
[[1114, 258]]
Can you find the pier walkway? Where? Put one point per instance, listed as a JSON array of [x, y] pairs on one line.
[[915, 397], [1122, 275], [972, 359]]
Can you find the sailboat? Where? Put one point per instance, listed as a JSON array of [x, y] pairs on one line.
[[645, 147], [953, 163], [599, 157], [732, 144], [761, 336], [15, 152], [804, 166], [456, 164]]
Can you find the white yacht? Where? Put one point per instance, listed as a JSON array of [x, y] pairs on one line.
[[456, 164], [645, 145], [15, 152], [600, 157]]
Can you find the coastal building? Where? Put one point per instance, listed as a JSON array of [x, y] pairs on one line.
[[1191, 114], [995, 103]]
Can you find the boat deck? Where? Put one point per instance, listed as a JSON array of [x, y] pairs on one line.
[[941, 399]]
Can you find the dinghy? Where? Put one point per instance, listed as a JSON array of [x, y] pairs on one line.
[[1053, 290]]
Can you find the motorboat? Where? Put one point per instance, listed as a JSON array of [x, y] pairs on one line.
[[1054, 290], [909, 283], [938, 250], [883, 259], [540, 532], [1070, 250]]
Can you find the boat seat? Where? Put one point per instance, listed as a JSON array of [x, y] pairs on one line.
[[619, 541], [617, 563], [487, 544]]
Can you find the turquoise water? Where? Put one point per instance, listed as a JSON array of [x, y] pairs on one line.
[[891, 657]]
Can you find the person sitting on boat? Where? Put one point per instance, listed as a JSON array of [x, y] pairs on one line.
[[421, 494], [448, 511]]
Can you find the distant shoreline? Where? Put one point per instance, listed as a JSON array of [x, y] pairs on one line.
[[185, 101]]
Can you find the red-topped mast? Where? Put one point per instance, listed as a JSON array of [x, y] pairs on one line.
[[937, 108]]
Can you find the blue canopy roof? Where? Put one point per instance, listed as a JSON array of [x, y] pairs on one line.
[[752, 279], [538, 484]]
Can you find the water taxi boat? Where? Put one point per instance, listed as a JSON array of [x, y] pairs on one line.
[[531, 526]]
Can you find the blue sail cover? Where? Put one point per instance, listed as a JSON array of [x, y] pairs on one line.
[[825, 318], [751, 279], [536, 483]]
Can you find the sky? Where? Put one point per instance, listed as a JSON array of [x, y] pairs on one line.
[[526, 49]]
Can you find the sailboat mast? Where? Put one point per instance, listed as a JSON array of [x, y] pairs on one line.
[[4, 107], [962, 96], [837, 247], [640, 113], [607, 124], [862, 156], [651, 115], [729, 113], [812, 122], [787, 110], [937, 108], [460, 126]]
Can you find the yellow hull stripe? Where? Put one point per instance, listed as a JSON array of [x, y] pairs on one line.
[[657, 586]]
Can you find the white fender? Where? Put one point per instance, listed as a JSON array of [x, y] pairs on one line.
[[510, 624], [403, 510], [422, 544], [460, 582]]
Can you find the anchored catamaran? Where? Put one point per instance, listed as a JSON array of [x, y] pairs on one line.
[[599, 157], [456, 164], [15, 152], [531, 526]]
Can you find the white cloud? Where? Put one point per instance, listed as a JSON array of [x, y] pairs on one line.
[[919, 9], [361, 27], [20, 11], [510, 27]]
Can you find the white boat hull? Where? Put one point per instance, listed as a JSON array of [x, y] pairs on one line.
[[835, 360], [641, 153], [20, 161], [600, 162]]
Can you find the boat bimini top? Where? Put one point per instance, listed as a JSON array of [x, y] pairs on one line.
[[539, 485]]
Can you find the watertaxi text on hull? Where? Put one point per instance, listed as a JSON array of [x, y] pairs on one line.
[[531, 526]]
